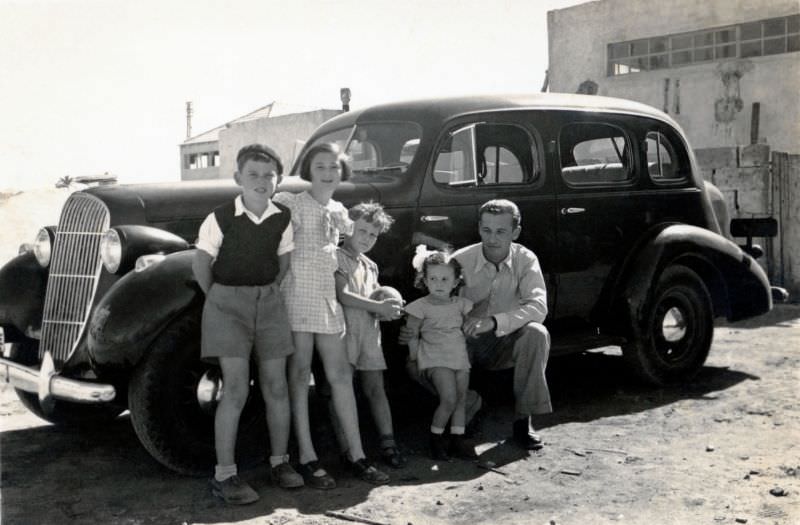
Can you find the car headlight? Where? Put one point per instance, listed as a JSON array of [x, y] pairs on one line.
[[111, 250], [43, 246], [122, 246]]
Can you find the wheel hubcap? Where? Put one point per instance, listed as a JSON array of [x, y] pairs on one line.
[[209, 390], [673, 326]]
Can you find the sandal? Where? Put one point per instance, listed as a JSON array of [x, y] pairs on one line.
[[315, 476], [366, 472]]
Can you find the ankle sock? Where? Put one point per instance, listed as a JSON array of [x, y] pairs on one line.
[[274, 461], [223, 472], [437, 430], [457, 431]]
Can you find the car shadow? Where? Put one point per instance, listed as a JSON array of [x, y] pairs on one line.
[[53, 474]]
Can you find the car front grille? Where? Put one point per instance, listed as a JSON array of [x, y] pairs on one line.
[[74, 272]]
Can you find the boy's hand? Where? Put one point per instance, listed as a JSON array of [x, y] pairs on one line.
[[390, 309]]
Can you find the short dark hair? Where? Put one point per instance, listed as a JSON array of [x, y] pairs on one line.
[[439, 258], [325, 147], [260, 152], [499, 207], [372, 212]]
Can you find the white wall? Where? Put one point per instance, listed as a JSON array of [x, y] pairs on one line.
[[579, 35]]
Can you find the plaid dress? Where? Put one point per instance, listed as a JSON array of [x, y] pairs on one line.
[[309, 288]]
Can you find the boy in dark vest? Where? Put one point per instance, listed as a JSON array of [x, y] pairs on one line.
[[242, 255]]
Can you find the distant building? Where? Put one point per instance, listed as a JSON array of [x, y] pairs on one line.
[[723, 69], [212, 155]]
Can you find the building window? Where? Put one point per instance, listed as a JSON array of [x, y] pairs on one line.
[[194, 161], [764, 37]]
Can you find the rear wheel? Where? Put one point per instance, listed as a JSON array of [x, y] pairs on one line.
[[172, 418], [676, 330], [62, 413]]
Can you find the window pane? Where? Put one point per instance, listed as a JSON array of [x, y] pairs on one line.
[[661, 160], [793, 43], [773, 46], [750, 49], [639, 47], [659, 62], [681, 58], [681, 42], [750, 30], [658, 45], [793, 24], [725, 35], [618, 50], [706, 53], [775, 27], [704, 39], [728, 51], [455, 160], [593, 154]]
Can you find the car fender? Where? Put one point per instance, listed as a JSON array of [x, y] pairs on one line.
[[738, 285], [138, 307], [22, 288]]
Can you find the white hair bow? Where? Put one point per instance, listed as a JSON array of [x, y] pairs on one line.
[[421, 253]]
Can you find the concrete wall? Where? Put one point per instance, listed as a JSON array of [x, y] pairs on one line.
[[578, 38], [212, 172], [285, 134]]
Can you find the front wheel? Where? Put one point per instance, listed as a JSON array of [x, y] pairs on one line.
[[171, 417], [674, 336]]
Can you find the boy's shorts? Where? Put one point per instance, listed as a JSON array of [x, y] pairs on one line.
[[363, 341], [240, 319]]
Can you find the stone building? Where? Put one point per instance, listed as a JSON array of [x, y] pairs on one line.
[[727, 71], [212, 154]]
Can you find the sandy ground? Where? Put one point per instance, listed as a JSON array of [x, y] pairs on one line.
[[710, 452]]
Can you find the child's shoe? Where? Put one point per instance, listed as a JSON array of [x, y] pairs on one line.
[[390, 453], [286, 477], [234, 491], [439, 447], [315, 476], [366, 472], [461, 447]]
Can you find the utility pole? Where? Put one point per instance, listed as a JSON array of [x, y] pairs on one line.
[[188, 119]]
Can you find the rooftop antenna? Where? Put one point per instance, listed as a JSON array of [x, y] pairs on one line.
[[188, 119]]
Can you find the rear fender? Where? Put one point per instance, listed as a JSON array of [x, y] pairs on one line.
[[22, 287], [138, 307], [738, 285]]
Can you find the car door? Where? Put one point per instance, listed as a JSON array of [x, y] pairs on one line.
[[479, 158]]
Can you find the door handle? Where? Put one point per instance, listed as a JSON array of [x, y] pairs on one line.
[[434, 218], [572, 211]]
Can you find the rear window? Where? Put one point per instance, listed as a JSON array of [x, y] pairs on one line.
[[594, 154]]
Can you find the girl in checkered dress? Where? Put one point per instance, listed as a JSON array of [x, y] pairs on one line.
[[315, 315]]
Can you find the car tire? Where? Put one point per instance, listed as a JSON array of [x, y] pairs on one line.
[[676, 331], [62, 413], [166, 415]]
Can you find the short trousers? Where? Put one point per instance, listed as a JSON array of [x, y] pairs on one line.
[[363, 342], [238, 320]]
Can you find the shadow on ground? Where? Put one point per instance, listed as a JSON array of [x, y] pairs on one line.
[[51, 474]]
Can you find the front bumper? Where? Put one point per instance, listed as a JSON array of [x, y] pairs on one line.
[[49, 385]]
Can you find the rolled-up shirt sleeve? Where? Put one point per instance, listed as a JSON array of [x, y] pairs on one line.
[[532, 295], [209, 239]]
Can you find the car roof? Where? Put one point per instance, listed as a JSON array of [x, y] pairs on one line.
[[433, 111]]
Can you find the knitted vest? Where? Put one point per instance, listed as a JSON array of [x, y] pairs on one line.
[[248, 255]]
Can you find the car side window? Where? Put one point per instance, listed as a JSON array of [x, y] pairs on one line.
[[663, 164], [481, 154], [594, 154]]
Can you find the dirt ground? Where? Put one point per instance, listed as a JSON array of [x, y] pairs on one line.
[[709, 452]]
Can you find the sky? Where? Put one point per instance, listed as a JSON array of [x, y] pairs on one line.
[[95, 86]]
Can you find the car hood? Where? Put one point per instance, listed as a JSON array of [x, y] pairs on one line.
[[166, 202]]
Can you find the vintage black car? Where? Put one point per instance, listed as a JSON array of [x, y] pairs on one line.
[[103, 314]]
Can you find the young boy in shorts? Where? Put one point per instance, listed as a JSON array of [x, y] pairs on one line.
[[356, 278], [243, 253]]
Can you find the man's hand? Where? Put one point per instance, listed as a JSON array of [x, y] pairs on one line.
[[405, 335], [475, 326]]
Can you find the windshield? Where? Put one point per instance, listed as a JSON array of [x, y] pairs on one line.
[[377, 147]]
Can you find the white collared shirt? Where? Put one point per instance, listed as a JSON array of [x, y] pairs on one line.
[[513, 291], [210, 236]]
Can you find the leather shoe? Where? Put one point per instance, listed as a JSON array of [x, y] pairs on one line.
[[525, 437]]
